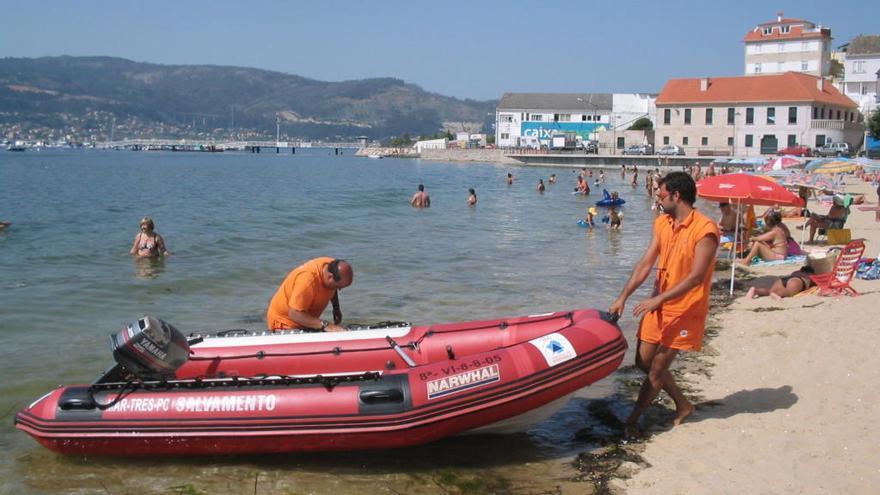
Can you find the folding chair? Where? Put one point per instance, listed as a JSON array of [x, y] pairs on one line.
[[836, 282]]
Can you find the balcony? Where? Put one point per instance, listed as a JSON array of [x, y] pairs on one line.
[[839, 125]]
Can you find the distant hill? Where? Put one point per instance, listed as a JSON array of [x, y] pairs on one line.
[[87, 92]]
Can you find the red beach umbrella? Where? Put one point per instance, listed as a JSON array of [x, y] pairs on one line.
[[747, 190], [783, 162]]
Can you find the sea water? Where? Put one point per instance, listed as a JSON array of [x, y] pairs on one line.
[[236, 224]]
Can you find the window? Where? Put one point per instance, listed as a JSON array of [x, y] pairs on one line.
[[748, 140], [667, 116], [708, 116], [704, 141], [555, 117], [792, 115], [805, 65], [684, 141], [757, 67], [758, 48], [771, 115], [563, 117], [506, 119], [750, 115], [536, 117], [805, 46], [505, 136], [786, 29], [731, 115], [815, 113], [730, 141], [665, 139], [864, 90], [687, 116], [792, 140], [621, 143], [767, 31], [822, 113], [780, 47], [859, 67], [780, 67], [838, 115], [583, 118], [820, 140]]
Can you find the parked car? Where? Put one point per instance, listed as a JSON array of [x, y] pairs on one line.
[[671, 150], [591, 146], [639, 149], [796, 150], [835, 149]]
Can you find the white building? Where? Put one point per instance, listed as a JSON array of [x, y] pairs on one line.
[[431, 144], [861, 69], [788, 45], [747, 116], [531, 119]]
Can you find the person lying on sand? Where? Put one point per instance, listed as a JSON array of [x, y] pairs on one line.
[[787, 286]]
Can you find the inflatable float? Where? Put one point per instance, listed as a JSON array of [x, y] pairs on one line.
[[243, 393], [607, 200]]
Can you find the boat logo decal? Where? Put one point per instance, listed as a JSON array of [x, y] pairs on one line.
[[555, 348], [463, 381]]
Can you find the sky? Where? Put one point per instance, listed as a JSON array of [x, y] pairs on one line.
[[476, 50]]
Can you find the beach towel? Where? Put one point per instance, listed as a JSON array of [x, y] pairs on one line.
[[868, 269], [789, 260], [794, 249]]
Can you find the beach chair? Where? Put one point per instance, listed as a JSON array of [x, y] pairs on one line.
[[836, 282]]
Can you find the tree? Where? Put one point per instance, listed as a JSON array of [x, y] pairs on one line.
[[642, 124], [874, 125]]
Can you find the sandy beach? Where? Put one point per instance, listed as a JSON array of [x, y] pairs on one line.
[[788, 404]]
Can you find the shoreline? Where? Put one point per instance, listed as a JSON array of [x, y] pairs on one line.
[[783, 392]]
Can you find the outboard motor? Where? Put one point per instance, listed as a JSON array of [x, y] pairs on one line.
[[150, 349]]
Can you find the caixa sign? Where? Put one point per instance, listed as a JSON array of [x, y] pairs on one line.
[[544, 130]]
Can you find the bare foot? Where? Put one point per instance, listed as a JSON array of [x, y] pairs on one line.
[[682, 413], [775, 296], [751, 293], [631, 432], [743, 262]]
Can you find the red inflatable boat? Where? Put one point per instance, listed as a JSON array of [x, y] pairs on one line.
[[288, 392]]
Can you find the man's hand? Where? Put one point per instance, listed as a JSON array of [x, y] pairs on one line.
[[617, 306], [337, 315], [335, 328], [646, 306]]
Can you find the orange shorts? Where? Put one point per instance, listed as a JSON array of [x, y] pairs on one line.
[[682, 332]]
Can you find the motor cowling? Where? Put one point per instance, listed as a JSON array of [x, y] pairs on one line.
[[150, 349]]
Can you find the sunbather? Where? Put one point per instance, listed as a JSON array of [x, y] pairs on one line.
[[835, 219], [787, 286], [772, 244]]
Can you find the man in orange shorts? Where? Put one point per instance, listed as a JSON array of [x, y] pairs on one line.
[[674, 317], [304, 295]]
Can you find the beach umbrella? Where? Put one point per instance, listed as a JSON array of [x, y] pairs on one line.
[[816, 162], [812, 181], [783, 162], [745, 189], [868, 164], [840, 166]]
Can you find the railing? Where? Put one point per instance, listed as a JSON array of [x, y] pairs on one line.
[[834, 124]]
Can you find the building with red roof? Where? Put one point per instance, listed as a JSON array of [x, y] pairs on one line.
[[788, 45], [746, 116]]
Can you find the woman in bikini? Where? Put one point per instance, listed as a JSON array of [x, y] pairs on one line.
[[787, 286], [772, 244], [147, 243]]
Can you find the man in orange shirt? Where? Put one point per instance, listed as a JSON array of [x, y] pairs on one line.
[[304, 295], [674, 317]]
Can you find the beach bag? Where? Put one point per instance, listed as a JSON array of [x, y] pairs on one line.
[[822, 262], [868, 270], [794, 249]]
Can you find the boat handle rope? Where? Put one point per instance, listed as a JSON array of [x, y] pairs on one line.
[[328, 381], [414, 345]]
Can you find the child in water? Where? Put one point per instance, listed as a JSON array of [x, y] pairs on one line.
[[590, 218], [614, 219]]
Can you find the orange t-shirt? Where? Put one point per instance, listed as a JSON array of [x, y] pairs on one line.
[[679, 323], [302, 290]]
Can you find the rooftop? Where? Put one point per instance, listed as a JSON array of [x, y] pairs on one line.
[[797, 29], [787, 87], [556, 101]]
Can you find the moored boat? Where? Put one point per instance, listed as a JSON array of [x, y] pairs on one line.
[[243, 393]]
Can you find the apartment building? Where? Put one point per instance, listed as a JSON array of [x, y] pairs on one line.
[[862, 72], [747, 116], [788, 45]]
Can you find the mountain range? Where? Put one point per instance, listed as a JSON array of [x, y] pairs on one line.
[[177, 100]]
